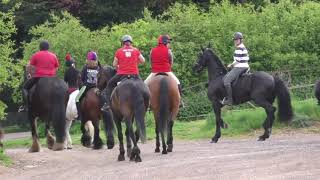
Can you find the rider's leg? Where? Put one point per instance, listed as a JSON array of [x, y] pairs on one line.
[[229, 78], [149, 78], [111, 85], [78, 100], [25, 92]]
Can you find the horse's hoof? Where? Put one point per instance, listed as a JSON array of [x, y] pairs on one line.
[[69, 147], [121, 157], [138, 159], [110, 144], [261, 138], [129, 151], [214, 140], [58, 146], [157, 150], [32, 150], [164, 151], [170, 147]]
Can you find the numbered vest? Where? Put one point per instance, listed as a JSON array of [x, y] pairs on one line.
[[128, 60]]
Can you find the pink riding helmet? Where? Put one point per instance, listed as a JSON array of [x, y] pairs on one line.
[[92, 56]]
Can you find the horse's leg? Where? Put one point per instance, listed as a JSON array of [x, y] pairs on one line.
[[157, 138], [135, 154], [267, 125], [120, 137], [35, 139], [108, 123], [68, 141], [97, 142], [164, 145], [129, 145], [219, 122], [50, 138], [170, 137], [84, 137]]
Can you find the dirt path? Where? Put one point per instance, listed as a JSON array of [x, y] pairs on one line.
[[282, 157]]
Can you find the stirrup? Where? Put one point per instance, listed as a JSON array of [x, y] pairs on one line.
[[226, 101], [105, 108], [23, 108]]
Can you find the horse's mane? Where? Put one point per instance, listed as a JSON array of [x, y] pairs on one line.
[[109, 69], [217, 59]]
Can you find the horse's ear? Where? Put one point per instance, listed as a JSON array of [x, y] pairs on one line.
[[202, 48]]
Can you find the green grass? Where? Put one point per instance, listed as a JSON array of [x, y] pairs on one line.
[[4, 159], [241, 122]]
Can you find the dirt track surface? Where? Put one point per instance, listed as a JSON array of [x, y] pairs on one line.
[[281, 157]]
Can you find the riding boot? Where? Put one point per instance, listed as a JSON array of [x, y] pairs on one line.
[[180, 92], [106, 105], [228, 100], [25, 106], [79, 111]]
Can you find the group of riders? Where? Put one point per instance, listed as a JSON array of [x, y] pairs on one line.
[[126, 61]]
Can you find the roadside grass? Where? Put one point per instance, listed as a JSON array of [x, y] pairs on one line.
[[241, 123], [4, 159]]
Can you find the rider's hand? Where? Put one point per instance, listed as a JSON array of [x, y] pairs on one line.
[[229, 66]]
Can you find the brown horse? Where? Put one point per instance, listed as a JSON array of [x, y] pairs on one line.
[[1, 136], [91, 115], [129, 102], [164, 102]]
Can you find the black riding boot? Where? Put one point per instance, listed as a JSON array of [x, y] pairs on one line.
[[228, 100], [106, 98], [79, 118], [180, 92], [25, 96]]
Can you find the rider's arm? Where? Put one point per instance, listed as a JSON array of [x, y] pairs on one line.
[[115, 62], [170, 57], [141, 59]]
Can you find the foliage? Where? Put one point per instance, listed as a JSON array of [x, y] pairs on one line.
[[9, 71], [4, 159]]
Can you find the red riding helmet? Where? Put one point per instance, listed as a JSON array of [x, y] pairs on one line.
[[164, 39]]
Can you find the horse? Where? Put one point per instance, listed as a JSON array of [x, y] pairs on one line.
[[164, 101], [48, 99], [91, 115], [129, 102], [260, 87], [317, 91]]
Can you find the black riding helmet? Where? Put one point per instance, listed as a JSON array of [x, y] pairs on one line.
[[44, 45]]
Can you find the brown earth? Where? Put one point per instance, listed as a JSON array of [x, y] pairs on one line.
[[295, 156]]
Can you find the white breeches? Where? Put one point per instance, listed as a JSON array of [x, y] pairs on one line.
[[169, 74]]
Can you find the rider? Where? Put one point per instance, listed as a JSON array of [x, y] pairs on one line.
[[161, 61], [46, 64], [239, 65], [89, 78], [71, 75], [126, 62]]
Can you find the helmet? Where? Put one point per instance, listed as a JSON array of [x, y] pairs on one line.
[[126, 38], [164, 39], [44, 45], [92, 56], [237, 35]]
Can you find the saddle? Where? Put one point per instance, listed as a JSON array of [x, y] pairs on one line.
[[129, 76], [243, 74], [161, 73]]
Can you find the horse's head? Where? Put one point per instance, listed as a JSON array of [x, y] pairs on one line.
[[104, 76], [201, 62], [207, 58]]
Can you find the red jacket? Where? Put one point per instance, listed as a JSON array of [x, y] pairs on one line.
[[45, 63], [128, 60], [160, 59]]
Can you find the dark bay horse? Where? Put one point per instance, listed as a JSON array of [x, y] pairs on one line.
[[129, 102], [48, 99], [164, 101], [317, 91], [259, 87], [91, 115]]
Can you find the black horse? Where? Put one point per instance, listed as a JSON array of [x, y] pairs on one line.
[[48, 100], [317, 91], [129, 102], [260, 87]]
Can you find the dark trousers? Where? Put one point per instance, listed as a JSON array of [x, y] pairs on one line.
[[26, 87]]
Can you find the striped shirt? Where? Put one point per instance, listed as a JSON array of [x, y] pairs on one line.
[[240, 56]]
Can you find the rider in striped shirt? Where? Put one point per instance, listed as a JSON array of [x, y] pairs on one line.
[[239, 65]]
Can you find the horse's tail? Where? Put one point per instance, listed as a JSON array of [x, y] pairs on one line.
[[285, 113], [139, 112], [58, 118], [164, 103]]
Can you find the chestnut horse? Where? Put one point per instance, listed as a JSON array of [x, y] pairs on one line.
[[164, 100]]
